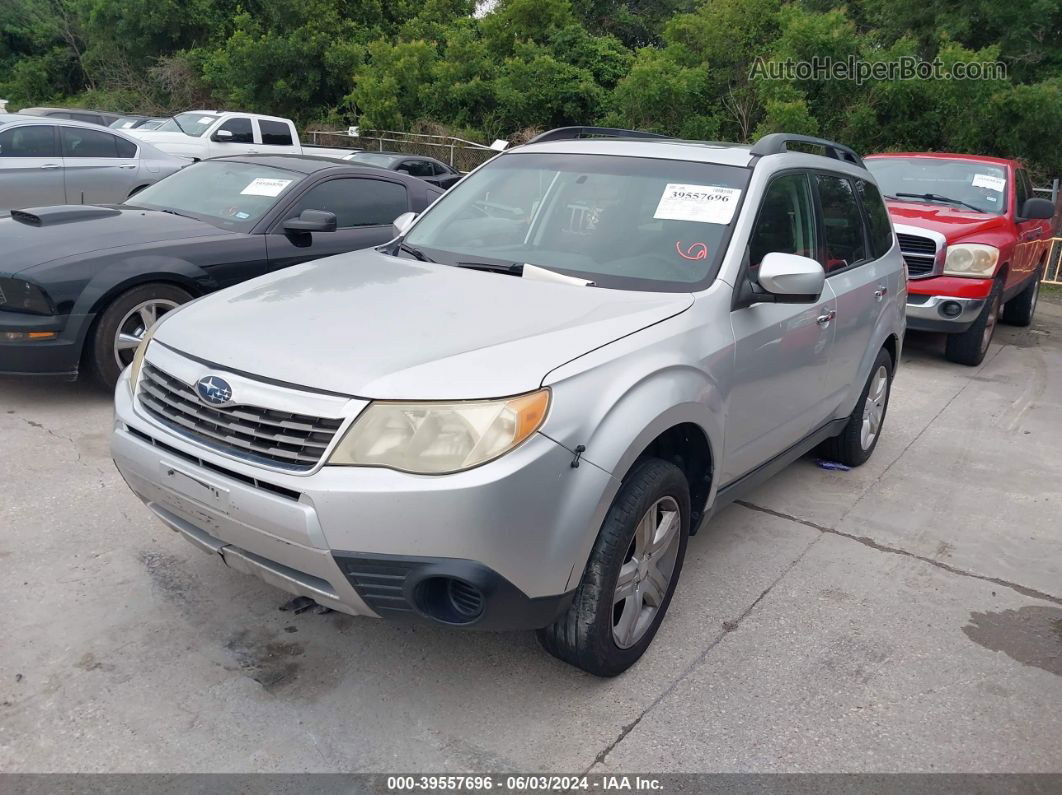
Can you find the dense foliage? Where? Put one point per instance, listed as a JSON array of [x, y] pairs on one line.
[[493, 69]]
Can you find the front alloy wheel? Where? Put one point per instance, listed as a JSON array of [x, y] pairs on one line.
[[631, 575], [135, 324], [645, 576]]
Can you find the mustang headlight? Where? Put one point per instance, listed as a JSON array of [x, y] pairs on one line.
[[971, 259], [17, 295], [439, 438]]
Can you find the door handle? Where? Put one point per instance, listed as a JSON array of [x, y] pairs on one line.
[[824, 320], [881, 292], [127, 165], [50, 165]]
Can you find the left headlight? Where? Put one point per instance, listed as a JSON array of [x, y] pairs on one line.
[[971, 259], [17, 295], [440, 438]]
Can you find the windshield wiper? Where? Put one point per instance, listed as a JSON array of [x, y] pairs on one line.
[[173, 212], [936, 197], [416, 252], [512, 268], [179, 127]]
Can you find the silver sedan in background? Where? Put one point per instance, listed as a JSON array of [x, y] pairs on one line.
[[47, 161]]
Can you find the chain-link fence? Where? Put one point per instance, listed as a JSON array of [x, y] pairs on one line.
[[459, 153]]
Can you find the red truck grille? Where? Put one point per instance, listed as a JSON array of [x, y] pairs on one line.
[[919, 253]]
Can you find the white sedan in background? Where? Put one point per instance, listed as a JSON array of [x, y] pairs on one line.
[[46, 161]]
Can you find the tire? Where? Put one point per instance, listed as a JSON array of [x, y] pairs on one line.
[[1019, 310], [601, 632], [970, 346], [856, 443], [128, 314]]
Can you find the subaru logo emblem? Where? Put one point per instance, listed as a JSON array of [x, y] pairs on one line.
[[214, 391]]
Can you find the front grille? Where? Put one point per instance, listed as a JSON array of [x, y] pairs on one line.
[[919, 253], [276, 438]]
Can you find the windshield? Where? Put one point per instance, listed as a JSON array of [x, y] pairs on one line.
[[373, 158], [194, 124], [624, 222], [125, 123], [227, 194], [969, 183]]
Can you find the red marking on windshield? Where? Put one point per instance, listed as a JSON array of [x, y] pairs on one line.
[[694, 251]]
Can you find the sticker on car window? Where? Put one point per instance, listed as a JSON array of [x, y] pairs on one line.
[[265, 187], [707, 204], [206, 119], [693, 251], [989, 182]]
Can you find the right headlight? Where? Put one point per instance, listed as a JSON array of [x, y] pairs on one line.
[[436, 438], [971, 259]]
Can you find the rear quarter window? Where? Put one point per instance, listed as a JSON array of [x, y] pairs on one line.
[[878, 225]]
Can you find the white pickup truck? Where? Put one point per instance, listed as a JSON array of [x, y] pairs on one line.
[[200, 134]]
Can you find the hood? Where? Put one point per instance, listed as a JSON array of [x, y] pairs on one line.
[[175, 143], [78, 230], [370, 325], [954, 223]]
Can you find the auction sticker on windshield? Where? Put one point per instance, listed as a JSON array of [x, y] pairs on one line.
[[708, 204], [265, 187], [990, 182]]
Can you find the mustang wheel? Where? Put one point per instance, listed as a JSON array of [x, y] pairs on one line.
[[123, 324], [631, 575]]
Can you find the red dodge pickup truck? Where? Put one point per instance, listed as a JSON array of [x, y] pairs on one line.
[[974, 239]]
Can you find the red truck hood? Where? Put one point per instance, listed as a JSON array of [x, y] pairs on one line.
[[952, 222]]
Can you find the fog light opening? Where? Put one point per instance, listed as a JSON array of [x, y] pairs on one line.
[[951, 309], [449, 600]]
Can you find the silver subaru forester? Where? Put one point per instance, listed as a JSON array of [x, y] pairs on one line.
[[515, 414]]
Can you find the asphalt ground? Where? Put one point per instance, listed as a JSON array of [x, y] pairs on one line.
[[905, 616]]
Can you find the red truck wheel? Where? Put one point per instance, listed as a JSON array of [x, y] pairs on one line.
[[970, 346]]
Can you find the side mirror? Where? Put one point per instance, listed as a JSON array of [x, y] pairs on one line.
[[790, 279], [1036, 209], [222, 137], [312, 221], [402, 223]]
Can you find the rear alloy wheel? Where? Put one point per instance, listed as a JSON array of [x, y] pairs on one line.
[[855, 444], [631, 574], [122, 327]]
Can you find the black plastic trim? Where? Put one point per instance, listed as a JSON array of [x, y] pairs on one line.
[[389, 585], [736, 489]]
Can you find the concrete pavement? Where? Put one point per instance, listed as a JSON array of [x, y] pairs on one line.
[[903, 616]]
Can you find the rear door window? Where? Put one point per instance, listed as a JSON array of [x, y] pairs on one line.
[[355, 201], [36, 140], [842, 221], [79, 142], [275, 133], [878, 225]]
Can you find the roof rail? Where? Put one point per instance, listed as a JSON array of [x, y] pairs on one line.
[[571, 133], [776, 143]]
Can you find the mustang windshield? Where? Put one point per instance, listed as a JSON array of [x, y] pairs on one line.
[[622, 222], [228, 194], [967, 183]]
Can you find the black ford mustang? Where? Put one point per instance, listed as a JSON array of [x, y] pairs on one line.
[[79, 285]]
